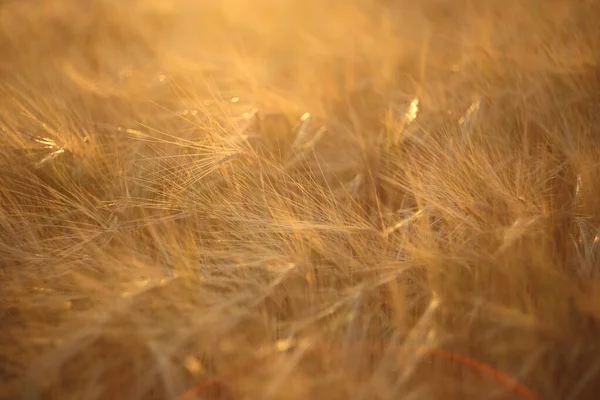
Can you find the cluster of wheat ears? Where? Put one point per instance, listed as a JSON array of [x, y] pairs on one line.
[[286, 199]]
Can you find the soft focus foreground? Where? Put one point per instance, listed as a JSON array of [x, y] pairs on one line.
[[277, 199]]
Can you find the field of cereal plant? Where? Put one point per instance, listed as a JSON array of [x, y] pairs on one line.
[[281, 199]]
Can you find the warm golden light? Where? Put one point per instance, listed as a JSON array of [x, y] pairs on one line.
[[291, 200]]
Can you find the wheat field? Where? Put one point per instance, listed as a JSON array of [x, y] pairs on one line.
[[284, 199]]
